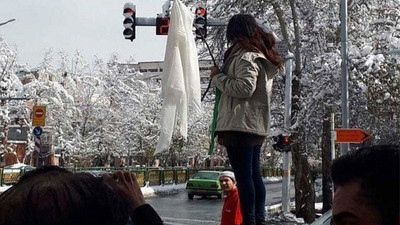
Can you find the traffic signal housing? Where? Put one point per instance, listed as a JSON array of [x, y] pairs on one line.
[[129, 21], [282, 143], [162, 25], [200, 22]]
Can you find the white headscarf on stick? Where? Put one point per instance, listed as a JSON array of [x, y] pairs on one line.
[[181, 80]]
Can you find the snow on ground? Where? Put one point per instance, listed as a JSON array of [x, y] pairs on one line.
[[4, 188], [17, 166], [283, 217], [151, 191], [318, 206]]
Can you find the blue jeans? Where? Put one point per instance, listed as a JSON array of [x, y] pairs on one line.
[[245, 162]]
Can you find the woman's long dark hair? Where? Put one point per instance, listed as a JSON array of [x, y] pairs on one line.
[[244, 30]]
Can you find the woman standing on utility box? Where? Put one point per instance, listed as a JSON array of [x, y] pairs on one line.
[[243, 120]]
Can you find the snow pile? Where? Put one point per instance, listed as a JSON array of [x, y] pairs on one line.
[[271, 179], [318, 206], [161, 190], [366, 50], [283, 217], [17, 166]]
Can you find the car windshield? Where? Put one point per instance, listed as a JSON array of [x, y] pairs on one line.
[[206, 175]]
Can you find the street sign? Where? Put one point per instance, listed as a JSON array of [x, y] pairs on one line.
[[351, 135], [17, 133], [39, 116], [37, 141], [282, 48], [37, 131]]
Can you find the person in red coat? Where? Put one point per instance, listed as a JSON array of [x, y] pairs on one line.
[[231, 213]]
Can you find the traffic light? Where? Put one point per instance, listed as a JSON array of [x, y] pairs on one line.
[[282, 143], [200, 22], [129, 21], [162, 25]]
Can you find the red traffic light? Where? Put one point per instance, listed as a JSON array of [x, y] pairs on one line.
[[286, 139], [128, 10], [200, 11], [200, 22], [282, 143]]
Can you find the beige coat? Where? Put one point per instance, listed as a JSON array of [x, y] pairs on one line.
[[246, 87]]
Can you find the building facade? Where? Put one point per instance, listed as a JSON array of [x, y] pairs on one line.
[[153, 70]]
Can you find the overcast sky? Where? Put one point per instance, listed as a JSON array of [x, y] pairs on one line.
[[94, 27]]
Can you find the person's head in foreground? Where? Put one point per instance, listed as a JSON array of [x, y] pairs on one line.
[[55, 196], [227, 181], [367, 186]]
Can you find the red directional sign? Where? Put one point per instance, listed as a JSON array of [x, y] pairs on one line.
[[351, 135]]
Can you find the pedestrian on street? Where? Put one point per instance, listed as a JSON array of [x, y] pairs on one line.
[[243, 120], [231, 213]]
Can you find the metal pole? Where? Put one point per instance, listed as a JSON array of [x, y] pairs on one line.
[[287, 156], [129, 157], [9, 21], [345, 76], [333, 151], [393, 51], [16, 99], [333, 136], [151, 21]]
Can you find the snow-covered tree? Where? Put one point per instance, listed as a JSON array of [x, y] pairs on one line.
[[10, 88]]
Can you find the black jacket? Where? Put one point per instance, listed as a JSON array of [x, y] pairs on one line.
[[145, 215]]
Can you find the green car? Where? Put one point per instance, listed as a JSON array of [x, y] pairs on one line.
[[204, 183]]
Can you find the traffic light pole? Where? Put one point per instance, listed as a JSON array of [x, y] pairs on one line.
[[9, 21], [287, 155], [344, 148], [151, 21]]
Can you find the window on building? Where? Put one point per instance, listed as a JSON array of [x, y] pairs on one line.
[[205, 68]]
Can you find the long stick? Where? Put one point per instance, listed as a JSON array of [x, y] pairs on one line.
[[212, 57], [205, 42]]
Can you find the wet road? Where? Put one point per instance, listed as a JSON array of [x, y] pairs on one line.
[[179, 209]]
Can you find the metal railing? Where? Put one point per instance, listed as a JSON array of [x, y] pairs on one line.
[[144, 175], [10, 176]]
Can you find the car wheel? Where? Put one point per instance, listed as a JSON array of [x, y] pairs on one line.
[[219, 196], [190, 196]]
